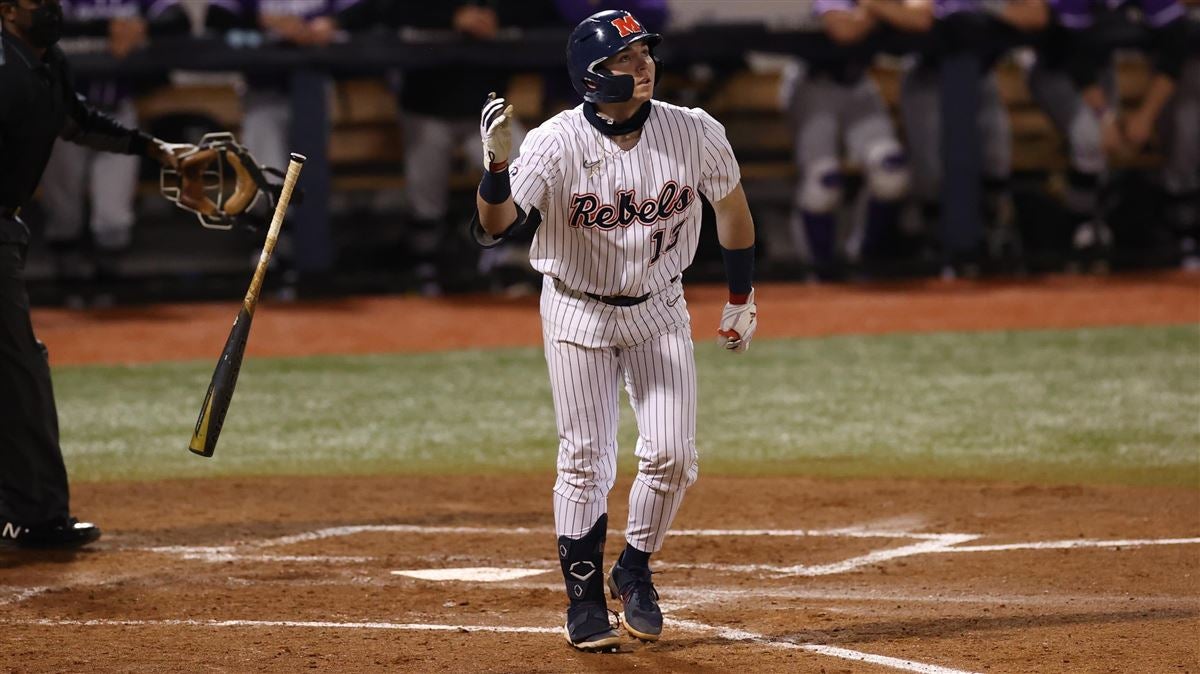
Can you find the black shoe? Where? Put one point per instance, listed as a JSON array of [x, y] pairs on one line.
[[63, 534], [642, 617], [588, 627]]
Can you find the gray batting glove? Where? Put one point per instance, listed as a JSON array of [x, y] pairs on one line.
[[494, 131], [738, 323]]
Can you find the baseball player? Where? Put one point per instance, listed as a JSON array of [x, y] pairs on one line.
[[304, 23], [438, 120], [837, 103], [610, 192], [82, 186], [266, 97], [1071, 88], [1171, 103], [921, 109]]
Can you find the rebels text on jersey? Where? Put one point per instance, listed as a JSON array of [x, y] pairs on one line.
[[621, 222]]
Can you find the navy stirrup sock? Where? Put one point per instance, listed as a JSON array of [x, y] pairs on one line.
[[632, 558]]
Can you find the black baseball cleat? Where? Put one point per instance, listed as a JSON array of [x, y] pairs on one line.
[[62, 534], [589, 629], [642, 617]]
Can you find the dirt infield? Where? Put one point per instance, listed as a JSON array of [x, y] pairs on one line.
[[392, 324], [762, 575]]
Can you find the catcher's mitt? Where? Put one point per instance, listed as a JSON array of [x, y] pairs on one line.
[[219, 181]]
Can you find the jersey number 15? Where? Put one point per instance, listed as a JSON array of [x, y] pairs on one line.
[[657, 239]]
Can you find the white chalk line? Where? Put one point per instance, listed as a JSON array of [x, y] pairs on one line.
[[938, 544], [688, 625], [929, 543], [841, 532], [334, 532], [831, 651], [894, 663], [72, 581], [693, 596], [228, 553], [1075, 543], [16, 595]]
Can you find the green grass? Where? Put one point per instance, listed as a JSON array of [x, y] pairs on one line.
[[1118, 405]]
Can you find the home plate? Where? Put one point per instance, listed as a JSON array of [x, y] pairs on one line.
[[477, 574]]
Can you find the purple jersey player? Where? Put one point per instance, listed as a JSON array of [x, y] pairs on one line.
[[837, 105], [1170, 104], [82, 187]]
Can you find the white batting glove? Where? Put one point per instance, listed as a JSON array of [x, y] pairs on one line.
[[738, 323], [494, 131]]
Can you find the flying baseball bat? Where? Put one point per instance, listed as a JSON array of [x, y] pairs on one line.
[[220, 391]]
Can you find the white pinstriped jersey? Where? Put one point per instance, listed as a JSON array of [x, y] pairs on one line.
[[617, 222]]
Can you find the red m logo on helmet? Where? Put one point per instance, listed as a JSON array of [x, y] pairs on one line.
[[627, 25]]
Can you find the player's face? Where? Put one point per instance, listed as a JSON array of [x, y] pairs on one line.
[[634, 60]]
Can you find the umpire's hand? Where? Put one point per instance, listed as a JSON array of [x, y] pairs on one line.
[[166, 154]]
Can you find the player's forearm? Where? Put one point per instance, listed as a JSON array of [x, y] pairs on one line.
[[1157, 96], [914, 16], [495, 218], [735, 225]]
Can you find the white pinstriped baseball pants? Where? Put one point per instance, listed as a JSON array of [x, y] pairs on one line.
[[659, 375]]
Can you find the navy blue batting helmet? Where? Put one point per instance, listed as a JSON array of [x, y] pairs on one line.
[[596, 38]]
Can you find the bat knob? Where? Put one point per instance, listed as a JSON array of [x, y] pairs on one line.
[[298, 158]]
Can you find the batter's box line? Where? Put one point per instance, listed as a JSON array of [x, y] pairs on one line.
[[334, 532], [215, 554], [927, 543], [938, 544], [949, 543]]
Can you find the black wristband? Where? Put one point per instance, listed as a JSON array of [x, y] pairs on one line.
[[494, 187], [739, 269]]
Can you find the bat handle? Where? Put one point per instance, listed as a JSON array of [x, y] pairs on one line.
[[281, 206], [285, 196]]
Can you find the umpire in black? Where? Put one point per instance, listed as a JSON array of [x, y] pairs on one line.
[[37, 104]]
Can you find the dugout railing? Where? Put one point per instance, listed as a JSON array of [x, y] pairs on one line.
[[358, 146]]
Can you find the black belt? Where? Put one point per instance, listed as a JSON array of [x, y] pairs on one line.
[[619, 300], [611, 300]]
